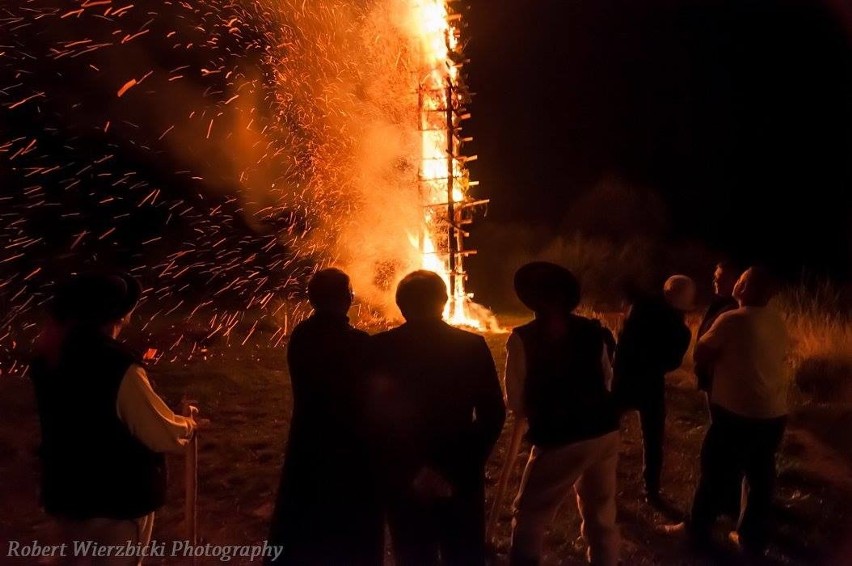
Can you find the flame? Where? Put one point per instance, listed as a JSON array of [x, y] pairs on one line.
[[439, 40]]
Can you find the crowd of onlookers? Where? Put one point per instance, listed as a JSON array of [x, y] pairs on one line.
[[395, 429]]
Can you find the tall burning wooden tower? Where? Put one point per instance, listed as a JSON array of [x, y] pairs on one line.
[[443, 98]]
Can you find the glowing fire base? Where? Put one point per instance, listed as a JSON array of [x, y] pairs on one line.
[[444, 178]]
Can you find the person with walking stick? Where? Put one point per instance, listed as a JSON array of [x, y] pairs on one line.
[[104, 430], [558, 380]]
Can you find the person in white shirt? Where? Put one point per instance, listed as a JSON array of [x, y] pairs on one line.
[[558, 386], [747, 351], [104, 429]]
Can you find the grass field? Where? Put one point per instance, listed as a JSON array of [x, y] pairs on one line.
[[245, 391]]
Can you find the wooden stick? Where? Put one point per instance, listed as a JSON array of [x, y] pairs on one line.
[[505, 474], [191, 480]]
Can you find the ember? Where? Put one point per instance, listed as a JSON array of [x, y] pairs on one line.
[[299, 135]]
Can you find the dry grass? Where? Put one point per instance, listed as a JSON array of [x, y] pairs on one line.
[[818, 324], [245, 390], [821, 329]]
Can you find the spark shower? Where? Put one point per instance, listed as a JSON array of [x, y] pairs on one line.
[[299, 133]]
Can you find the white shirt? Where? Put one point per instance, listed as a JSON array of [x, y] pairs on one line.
[[516, 373], [148, 417], [747, 350]]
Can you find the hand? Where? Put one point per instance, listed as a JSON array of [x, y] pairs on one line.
[[430, 485], [191, 415], [198, 424]]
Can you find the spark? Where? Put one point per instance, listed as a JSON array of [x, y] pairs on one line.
[[127, 86], [314, 159]]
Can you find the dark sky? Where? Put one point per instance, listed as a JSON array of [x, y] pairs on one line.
[[700, 126], [735, 115]]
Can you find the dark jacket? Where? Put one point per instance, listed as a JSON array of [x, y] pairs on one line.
[[717, 308], [92, 466], [440, 402], [327, 511], [565, 395], [653, 341]]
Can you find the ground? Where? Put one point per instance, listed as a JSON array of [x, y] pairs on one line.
[[245, 391]]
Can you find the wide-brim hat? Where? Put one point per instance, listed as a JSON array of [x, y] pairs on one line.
[[540, 283], [96, 297]]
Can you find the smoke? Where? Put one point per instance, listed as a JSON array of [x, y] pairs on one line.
[[226, 145]]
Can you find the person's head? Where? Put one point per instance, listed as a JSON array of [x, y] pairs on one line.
[[546, 288], [755, 287], [102, 301], [421, 295], [679, 291], [329, 290], [725, 277]]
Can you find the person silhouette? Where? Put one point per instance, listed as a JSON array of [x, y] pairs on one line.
[[653, 342], [443, 411], [558, 380], [327, 510], [104, 431], [724, 278], [747, 351]]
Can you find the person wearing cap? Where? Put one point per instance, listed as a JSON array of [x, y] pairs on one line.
[[104, 431], [442, 411], [724, 279], [747, 351], [558, 380], [327, 509], [653, 342]]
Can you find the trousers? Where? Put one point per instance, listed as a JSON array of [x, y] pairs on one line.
[[734, 448], [652, 417], [589, 466], [449, 531], [107, 532]]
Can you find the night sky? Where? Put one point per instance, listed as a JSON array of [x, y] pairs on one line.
[[687, 129], [727, 122]]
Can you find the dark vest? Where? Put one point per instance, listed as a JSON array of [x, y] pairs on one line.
[[565, 395], [91, 465]]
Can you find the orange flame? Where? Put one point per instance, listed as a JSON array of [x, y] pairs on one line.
[[439, 40]]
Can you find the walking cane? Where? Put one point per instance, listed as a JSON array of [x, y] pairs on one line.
[[505, 474], [191, 480]]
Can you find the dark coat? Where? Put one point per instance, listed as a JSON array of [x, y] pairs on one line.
[[92, 466], [653, 341], [717, 308], [327, 511], [441, 402]]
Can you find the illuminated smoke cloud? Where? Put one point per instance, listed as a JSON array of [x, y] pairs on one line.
[[220, 150]]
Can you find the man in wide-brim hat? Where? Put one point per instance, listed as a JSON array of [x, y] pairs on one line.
[[557, 381], [104, 429]]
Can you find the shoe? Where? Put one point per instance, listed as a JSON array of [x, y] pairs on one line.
[[654, 499], [734, 539], [751, 551], [676, 529], [698, 540]]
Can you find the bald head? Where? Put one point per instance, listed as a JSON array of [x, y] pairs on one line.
[[679, 291], [755, 287]]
